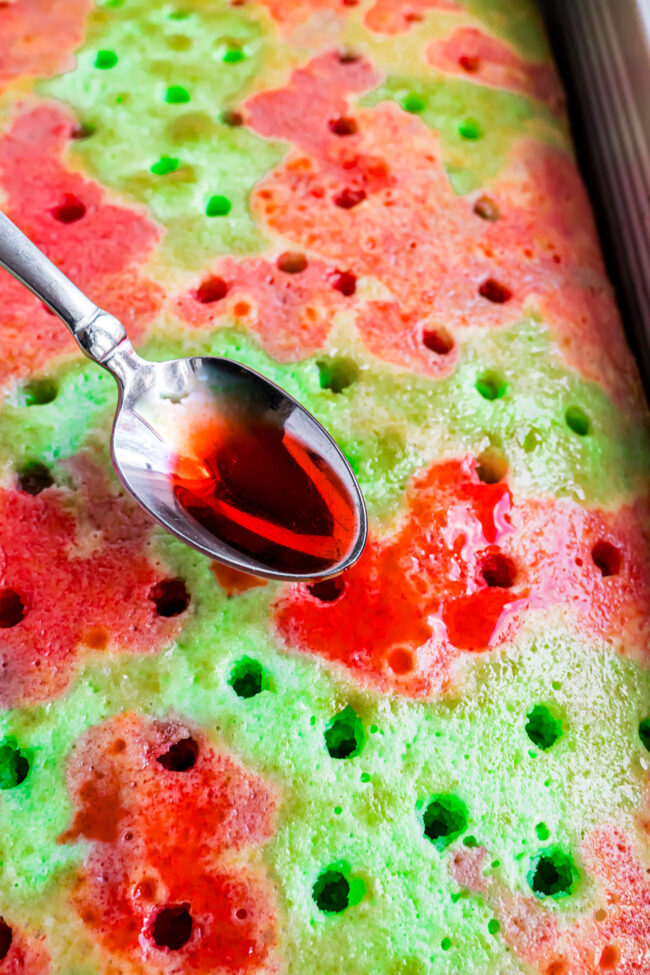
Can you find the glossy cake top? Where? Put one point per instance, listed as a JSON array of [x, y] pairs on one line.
[[437, 763]]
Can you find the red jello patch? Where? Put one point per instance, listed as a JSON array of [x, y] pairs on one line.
[[460, 574], [97, 244], [78, 565], [167, 882], [38, 37], [476, 56]]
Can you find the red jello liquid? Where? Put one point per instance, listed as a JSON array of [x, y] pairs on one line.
[[253, 485]]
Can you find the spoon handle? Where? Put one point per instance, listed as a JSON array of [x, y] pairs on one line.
[[97, 332]]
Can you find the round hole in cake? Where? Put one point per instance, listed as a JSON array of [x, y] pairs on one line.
[[331, 892], [401, 661], [172, 927], [644, 732], [349, 198], [82, 131], [241, 913], [607, 558], [14, 765], [498, 571], [600, 914], [337, 374], [557, 967], [34, 477], [181, 756], [328, 590], [6, 937], [348, 57], [469, 63], [413, 102], [437, 340], [177, 95], [491, 385], [491, 465], [344, 282], [218, 206], [165, 165], [291, 262], [542, 831], [445, 943], [552, 874], [104, 60], [493, 926], [70, 210], [247, 678], [170, 597], [495, 291], [211, 289], [39, 392], [577, 420], [146, 889], [12, 609], [445, 818], [470, 129], [609, 957], [343, 125], [543, 727], [231, 117], [486, 209], [344, 735]]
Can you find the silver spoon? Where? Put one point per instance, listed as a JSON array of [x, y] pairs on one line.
[[273, 496]]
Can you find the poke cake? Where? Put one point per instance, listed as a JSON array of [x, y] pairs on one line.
[[438, 761]]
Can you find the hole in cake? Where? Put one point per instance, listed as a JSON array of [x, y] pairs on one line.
[[343, 126], [469, 63], [607, 558], [349, 57], [445, 818], [328, 590], [486, 209], [291, 262], [12, 608], [498, 571], [211, 290], [543, 727], [401, 661], [491, 385], [13, 764], [118, 746], [491, 465], [557, 967], [105, 60], [345, 282], [247, 678], [577, 420], [39, 392], [552, 874], [349, 198], [493, 926], [600, 914], [610, 957], [172, 927], [542, 831], [470, 129], [495, 291], [337, 374], [170, 597], [445, 944], [82, 130], [241, 913], [165, 165], [146, 889], [177, 95], [231, 117], [71, 210], [644, 732], [180, 756], [233, 54], [218, 206], [6, 938], [331, 892], [34, 477], [413, 102], [344, 734], [438, 340]]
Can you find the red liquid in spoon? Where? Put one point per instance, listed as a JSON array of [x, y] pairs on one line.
[[253, 485]]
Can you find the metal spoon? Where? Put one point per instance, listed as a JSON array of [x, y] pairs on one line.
[[159, 403]]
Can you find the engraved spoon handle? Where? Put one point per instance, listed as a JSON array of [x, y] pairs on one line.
[[95, 330]]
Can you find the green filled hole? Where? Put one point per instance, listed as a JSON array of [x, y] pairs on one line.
[[445, 944], [337, 374], [38, 392], [493, 926], [247, 678], [577, 420], [552, 874], [105, 60], [542, 831], [166, 164], [177, 95], [491, 385], [413, 102], [344, 735], [218, 206], [644, 732], [470, 129], [543, 727], [445, 818], [331, 892], [233, 54], [13, 764]]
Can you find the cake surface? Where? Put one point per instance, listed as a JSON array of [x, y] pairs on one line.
[[438, 762]]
